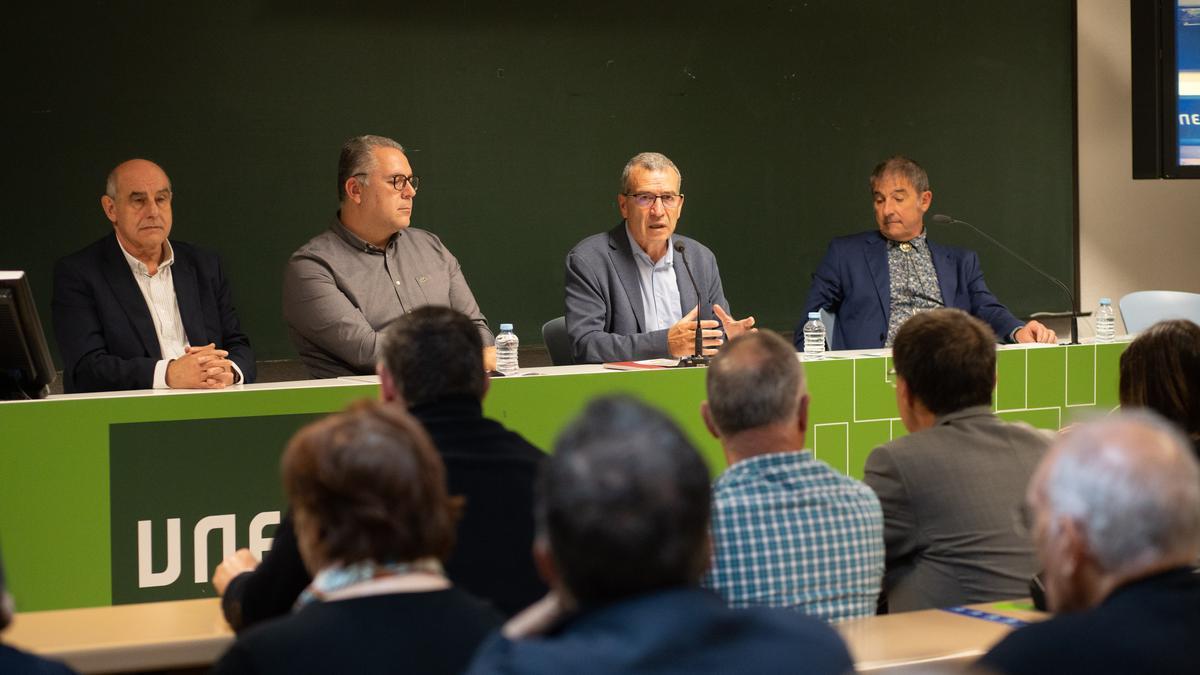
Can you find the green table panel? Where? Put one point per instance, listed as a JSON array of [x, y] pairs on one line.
[[89, 484]]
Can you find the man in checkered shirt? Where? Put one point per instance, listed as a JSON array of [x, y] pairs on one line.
[[788, 530]]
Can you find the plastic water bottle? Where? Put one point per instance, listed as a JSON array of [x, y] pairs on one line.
[[506, 350], [814, 337], [1106, 322]]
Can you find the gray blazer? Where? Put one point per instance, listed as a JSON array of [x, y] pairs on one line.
[[605, 318], [948, 496]]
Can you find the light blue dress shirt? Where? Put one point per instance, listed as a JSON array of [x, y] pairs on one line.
[[660, 289]]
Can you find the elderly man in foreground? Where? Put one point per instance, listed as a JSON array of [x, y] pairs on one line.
[[1115, 514]]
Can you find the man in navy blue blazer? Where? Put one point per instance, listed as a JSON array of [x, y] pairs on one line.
[[134, 310], [874, 281]]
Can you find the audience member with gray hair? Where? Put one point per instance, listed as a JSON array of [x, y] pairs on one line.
[[1115, 514], [628, 291], [346, 284], [623, 514], [788, 530], [14, 660]]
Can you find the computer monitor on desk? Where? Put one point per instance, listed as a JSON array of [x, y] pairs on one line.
[[26, 369]]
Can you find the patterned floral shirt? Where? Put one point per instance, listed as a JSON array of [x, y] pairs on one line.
[[914, 282]]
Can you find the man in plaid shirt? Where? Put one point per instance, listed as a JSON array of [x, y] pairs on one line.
[[788, 531]]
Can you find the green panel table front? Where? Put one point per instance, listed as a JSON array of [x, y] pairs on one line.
[[135, 498]]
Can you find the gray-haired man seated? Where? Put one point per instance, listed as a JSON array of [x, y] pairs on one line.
[[1115, 515], [628, 291]]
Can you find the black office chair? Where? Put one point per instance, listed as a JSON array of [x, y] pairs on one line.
[[558, 343]]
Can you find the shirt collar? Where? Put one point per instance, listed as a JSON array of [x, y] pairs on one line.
[[969, 411], [917, 242], [667, 260], [767, 462], [354, 240], [139, 267]]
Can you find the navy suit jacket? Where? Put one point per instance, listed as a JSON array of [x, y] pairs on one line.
[[684, 630], [853, 283], [104, 330], [604, 313]]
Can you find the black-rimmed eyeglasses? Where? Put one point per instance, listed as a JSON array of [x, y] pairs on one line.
[[399, 181]]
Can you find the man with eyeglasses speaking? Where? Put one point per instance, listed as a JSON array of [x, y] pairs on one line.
[[343, 287], [630, 292]]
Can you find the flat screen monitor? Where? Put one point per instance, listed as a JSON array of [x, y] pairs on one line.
[[1165, 46], [26, 369], [1187, 67]]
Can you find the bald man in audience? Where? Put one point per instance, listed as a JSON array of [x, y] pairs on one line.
[[1115, 513], [788, 530], [950, 486]]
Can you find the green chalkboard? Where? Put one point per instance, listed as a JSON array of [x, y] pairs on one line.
[[519, 117]]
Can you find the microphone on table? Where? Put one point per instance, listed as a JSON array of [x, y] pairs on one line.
[[697, 359], [942, 219]]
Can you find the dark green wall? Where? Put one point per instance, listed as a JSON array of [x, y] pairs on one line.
[[519, 118]]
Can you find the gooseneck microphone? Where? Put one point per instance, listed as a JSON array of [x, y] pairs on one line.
[[697, 359], [942, 219]]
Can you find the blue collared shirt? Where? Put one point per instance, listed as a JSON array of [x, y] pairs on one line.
[[789, 531], [660, 289]]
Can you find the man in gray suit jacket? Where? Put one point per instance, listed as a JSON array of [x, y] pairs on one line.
[[625, 296], [950, 488]]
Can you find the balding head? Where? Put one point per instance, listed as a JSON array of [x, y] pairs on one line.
[[137, 200], [1127, 488], [754, 381]]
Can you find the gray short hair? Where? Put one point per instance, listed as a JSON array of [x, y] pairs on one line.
[[1132, 485], [356, 158], [624, 502], [754, 381], [650, 161], [905, 167]]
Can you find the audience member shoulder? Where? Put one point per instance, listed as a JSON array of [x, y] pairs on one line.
[[16, 662]]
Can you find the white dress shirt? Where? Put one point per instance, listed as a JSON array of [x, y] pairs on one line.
[[158, 289], [660, 289]]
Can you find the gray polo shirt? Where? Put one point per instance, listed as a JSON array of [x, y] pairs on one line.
[[339, 292]]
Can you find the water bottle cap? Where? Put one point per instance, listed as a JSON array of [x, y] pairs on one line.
[[1105, 301], [506, 326], [814, 315]]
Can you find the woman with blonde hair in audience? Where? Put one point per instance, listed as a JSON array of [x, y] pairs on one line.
[[373, 522], [1161, 371]]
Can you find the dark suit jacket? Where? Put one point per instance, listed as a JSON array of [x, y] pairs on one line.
[[853, 283], [605, 317], [491, 466], [104, 330], [17, 662], [948, 496], [430, 632], [1146, 626], [674, 631]]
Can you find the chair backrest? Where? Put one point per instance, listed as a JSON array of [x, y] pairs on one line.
[[828, 319], [558, 343], [1143, 309]]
